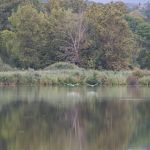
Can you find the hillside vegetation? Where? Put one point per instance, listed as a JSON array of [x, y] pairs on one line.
[[90, 35]]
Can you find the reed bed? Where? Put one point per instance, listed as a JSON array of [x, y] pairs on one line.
[[74, 77]]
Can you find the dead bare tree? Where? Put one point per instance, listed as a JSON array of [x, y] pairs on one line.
[[75, 38]]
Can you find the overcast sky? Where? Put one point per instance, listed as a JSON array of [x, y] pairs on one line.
[[128, 1]]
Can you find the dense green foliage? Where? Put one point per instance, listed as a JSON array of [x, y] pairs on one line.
[[141, 30], [114, 40], [30, 40], [5, 67], [147, 11], [7, 7], [97, 36]]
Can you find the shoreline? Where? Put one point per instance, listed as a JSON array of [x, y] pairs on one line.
[[75, 77]]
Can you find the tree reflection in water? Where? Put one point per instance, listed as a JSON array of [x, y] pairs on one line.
[[94, 125]]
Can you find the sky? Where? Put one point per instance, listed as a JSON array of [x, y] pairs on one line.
[[127, 1]]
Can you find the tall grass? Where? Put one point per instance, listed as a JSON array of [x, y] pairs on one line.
[[73, 77]]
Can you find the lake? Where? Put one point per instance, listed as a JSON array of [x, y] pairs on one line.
[[74, 118]]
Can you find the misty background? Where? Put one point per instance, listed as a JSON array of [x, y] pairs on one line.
[[126, 1]]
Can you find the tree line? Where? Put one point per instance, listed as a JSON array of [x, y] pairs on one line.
[[91, 35]]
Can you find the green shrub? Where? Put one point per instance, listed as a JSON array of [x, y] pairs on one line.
[[61, 66], [138, 73], [104, 80], [5, 67], [145, 81], [93, 80], [70, 80]]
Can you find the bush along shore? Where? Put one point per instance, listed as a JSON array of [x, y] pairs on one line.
[[70, 75]]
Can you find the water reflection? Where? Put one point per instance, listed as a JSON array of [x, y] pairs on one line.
[[89, 123], [141, 134], [8, 94]]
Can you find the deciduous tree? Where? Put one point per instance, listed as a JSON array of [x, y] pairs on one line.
[[147, 11], [31, 28], [114, 39], [141, 29]]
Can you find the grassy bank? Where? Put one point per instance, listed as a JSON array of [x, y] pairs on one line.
[[74, 76]]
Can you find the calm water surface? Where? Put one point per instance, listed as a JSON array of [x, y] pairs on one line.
[[62, 118]]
